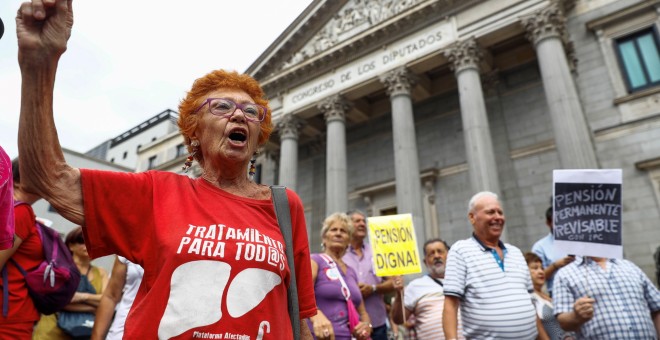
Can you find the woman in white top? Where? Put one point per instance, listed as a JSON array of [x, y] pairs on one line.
[[120, 293], [543, 302]]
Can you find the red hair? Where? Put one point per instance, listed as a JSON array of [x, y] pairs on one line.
[[213, 81]]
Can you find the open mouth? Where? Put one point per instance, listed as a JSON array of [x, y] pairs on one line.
[[238, 136]]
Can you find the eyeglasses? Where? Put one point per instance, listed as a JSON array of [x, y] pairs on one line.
[[225, 107]]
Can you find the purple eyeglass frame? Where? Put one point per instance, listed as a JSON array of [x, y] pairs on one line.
[[238, 106]]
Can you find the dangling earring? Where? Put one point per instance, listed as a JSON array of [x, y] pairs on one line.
[[253, 168], [186, 166]]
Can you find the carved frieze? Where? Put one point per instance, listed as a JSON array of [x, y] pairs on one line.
[[357, 16]]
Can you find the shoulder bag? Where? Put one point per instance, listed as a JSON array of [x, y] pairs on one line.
[[281, 203]]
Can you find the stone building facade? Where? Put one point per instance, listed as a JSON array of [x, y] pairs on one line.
[[411, 106]]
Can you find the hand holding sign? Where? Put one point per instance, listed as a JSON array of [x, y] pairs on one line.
[[584, 308]]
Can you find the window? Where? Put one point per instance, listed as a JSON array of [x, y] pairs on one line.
[[388, 211], [125, 154], [639, 57], [152, 162]]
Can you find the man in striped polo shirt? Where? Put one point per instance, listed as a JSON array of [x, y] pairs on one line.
[[488, 280]]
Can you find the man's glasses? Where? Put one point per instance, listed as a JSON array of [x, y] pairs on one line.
[[224, 107]]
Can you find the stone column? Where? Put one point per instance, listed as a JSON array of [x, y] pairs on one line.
[[399, 83], [334, 111], [465, 57], [547, 30], [268, 159], [288, 128]]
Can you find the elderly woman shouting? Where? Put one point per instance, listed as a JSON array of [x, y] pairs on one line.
[[211, 248], [336, 286]]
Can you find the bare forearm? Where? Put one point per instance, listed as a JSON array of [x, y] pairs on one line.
[[656, 322], [397, 310], [305, 333], [569, 321], [43, 168], [450, 317], [103, 318], [79, 307], [93, 299], [543, 335], [550, 270]]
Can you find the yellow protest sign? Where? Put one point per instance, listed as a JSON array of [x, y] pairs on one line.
[[394, 245]]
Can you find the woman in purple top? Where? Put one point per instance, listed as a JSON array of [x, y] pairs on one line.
[[328, 272]]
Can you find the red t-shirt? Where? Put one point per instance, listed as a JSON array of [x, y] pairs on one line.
[[29, 255], [214, 263]]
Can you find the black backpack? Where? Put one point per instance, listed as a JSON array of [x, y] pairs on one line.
[[54, 282]]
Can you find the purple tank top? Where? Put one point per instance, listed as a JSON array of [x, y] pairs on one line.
[[329, 298]]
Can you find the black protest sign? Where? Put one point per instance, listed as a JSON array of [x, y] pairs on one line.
[[587, 212]]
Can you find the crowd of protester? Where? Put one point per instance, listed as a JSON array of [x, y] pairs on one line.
[[483, 288]]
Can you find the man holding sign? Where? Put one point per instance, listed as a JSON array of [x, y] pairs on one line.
[[359, 257], [488, 280], [607, 299], [599, 295]]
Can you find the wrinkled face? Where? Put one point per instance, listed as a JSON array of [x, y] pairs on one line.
[[359, 226], [537, 274], [435, 259], [487, 218], [337, 236], [226, 139]]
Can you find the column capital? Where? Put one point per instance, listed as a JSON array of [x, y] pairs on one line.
[[548, 22], [289, 125], [334, 108], [464, 55], [398, 81]]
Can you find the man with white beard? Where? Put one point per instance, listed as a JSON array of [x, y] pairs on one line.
[[424, 297]]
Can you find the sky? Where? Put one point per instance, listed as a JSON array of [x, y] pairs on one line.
[[125, 64]]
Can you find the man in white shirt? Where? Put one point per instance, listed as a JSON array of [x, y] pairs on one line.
[[424, 297]]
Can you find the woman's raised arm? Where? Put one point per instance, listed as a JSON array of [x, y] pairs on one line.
[[43, 28]]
